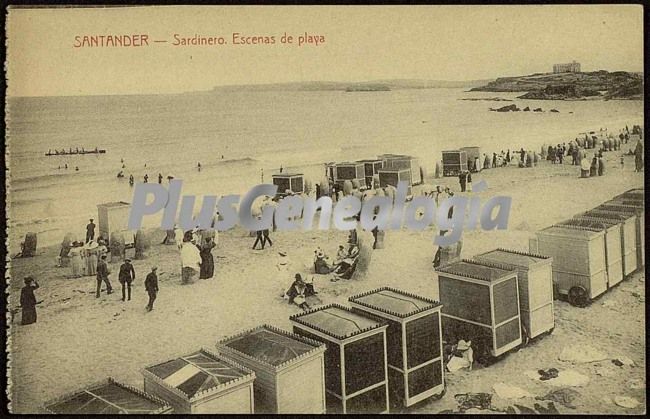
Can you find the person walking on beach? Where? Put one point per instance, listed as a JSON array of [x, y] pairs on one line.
[[102, 276], [469, 182], [266, 238], [28, 301], [131, 180], [126, 277], [90, 231], [146, 178], [160, 178], [151, 285]]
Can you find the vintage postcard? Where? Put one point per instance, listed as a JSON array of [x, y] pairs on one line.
[[325, 209]]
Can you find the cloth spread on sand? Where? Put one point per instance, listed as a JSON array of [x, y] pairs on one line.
[[190, 256]]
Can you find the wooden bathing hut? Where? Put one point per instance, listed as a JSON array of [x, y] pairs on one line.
[[293, 182], [114, 218], [472, 154], [613, 245], [579, 270], [371, 169], [535, 280], [393, 176], [108, 397], [628, 235], [201, 382], [350, 171], [356, 374], [403, 162], [414, 338], [638, 210], [454, 162], [289, 369], [480, 302]]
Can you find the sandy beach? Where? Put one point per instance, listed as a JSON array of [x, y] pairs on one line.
[[79, 339]]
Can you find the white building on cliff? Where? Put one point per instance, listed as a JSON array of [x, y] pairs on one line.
[[573, 67]]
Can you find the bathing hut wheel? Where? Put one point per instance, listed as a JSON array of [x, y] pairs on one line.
[[578, 296], [439, 395], [525, 335]]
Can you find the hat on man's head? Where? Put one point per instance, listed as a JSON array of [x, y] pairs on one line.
[[463, 346], [91, 219], [127, 260], [28, 280], [153, 268]]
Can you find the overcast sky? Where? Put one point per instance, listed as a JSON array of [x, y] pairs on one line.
[[361, 43]]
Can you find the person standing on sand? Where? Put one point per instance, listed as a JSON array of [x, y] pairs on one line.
[[102, 275], [160, 178], [28, 301], [462, 179], [601, 166], [126, 277], [638, 157], [584, 167], [207, 260], [593, 170], [90, 231], [151, 285], [76, 263], [469, 182], [146, 178]]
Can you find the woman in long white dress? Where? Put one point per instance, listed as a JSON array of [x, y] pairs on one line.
[[92, 249], [76, 263]]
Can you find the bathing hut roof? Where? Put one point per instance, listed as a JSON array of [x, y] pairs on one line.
[[590, 224], [286, 174], [484, 271], [195, 374], [114, 204], [107, 397], [271, 346], [571, 231], [337, 321], [514, 257], [394, 302]]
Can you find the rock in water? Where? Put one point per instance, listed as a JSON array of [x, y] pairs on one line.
[[507, 108], [554, 110], [526, 109], [538, 110]]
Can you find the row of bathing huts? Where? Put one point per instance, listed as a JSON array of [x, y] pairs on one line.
[[381, 172], [385, 350]]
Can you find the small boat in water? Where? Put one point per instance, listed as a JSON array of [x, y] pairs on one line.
[[74, 152]]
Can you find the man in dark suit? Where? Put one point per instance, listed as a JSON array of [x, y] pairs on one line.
[[90, 231], [102, 275], [126, 277], [151, 285]]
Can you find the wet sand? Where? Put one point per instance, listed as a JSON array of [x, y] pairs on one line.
[[79, 339]]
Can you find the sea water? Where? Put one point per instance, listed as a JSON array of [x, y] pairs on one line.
[[256, 132]]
